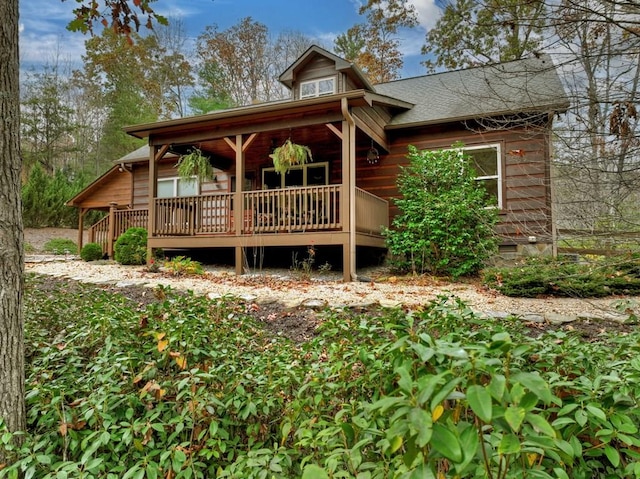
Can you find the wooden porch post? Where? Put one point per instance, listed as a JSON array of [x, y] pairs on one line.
[[153, 191], [238, 207], [348, 193], [83, 211], [112, 228]]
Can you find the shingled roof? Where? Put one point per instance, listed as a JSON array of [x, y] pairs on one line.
[[529, 85]]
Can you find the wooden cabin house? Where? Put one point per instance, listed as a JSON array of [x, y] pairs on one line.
[[358, 134]]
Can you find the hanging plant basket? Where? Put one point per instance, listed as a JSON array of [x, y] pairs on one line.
[[290, 154], [195, 164]]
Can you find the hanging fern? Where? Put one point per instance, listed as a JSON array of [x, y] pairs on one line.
[[290, 154], [195, 164]]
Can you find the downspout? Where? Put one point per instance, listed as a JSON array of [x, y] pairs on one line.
[[344, 105]]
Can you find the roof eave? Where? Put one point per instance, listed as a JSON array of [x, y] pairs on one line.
[[144, 130], [556, 108]]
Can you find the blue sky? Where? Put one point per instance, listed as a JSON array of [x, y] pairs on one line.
[[44, 38]]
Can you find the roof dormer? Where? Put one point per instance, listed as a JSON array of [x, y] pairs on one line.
[[318, 72]]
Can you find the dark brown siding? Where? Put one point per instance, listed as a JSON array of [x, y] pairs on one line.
[[166, 169], [526, 195]]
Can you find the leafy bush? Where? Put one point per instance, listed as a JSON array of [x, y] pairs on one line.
[[181, 266], [60, 246], [539, 277], [91, 252], [444, 226], [131, 247], [187, 387]]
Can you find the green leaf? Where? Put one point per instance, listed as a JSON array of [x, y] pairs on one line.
[[422, 423], [509, 444], [311, 471], [444, 392], [470, 442], [348, 432], [423, 352], [480, 401], [395, 444], [540, 424], [597, 412], [405, 382], [612, 454], [514, 415], [446, 443], [581, 417], [560, 473], [423, 471], [536, 384], [93, 463], [497, 386]]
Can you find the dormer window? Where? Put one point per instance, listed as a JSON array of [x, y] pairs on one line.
[[320, 87]]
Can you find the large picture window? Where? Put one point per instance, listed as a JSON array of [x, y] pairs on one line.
[[174, 187], [309, 174], [320, 87]]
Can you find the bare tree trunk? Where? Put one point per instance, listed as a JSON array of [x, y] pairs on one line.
[[12, 403]]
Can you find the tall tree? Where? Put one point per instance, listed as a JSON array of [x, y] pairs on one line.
[[210, 95], [12, 405], [12, 401], [380, 57], [598, 147], [122, 76], [287, 48], [240, 56], [477, 32], [47, 119], [172, 72]]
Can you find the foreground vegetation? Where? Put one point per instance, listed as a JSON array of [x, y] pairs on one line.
[[178, 386], [594, 278]]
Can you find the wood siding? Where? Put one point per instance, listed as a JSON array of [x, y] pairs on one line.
[[318, 67], [115, 188], [524, 167]]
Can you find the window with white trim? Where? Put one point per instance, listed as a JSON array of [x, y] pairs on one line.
[[309, 174], [176, 186], [486, 161], [319, 87]]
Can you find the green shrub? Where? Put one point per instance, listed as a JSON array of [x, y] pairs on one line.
[[197, 387], [539, 277], [91, 252], [443, 226], [131, 247], [61, 246], [181, 266]]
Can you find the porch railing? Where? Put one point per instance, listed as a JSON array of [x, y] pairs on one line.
[[99, 233], [372, 212], [312, 208], [106, 231]]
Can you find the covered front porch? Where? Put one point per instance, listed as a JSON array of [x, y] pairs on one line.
[[279, 217], [334, 199]]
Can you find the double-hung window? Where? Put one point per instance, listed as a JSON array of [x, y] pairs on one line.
[[175, 187], [319, 87], [486, 162]]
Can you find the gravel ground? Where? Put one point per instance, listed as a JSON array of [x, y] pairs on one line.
[[292, 290]]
